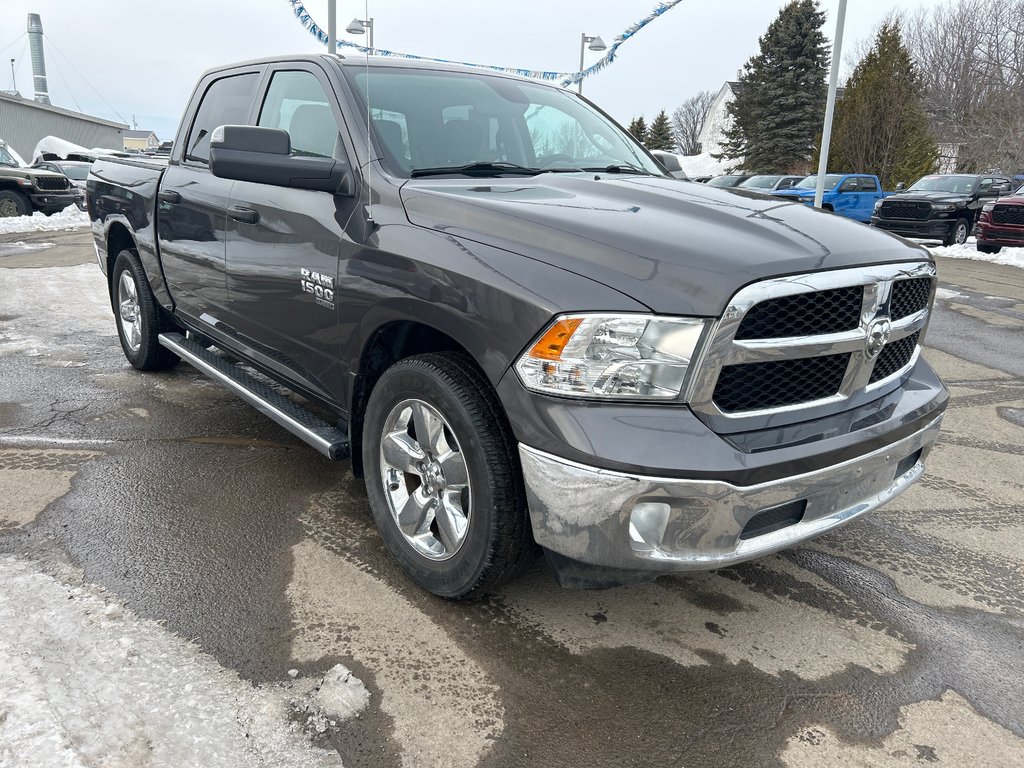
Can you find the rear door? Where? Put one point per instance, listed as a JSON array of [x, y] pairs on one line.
[[284, 244], [192, 202], [867, 193]]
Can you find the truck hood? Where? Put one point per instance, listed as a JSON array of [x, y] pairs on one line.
[[10, 172], [798, 192], [675, 246], [930, 197]]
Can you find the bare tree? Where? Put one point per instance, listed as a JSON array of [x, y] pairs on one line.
[[970, 54], [687, 121]]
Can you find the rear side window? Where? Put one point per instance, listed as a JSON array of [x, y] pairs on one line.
[[867, 185], [227, 101], [296, 102]]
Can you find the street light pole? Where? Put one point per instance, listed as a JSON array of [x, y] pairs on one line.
[[595, 44], [830, 106], [332, 26]]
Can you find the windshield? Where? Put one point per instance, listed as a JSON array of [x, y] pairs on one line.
[[428, 120], [761, 182], [76, 172], [7, 159], [953, 184], [811, 182]]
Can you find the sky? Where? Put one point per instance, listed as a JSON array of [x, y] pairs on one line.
[[134, 61]]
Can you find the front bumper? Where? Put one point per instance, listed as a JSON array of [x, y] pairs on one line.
[[996, 234], [53, 201], [637, 522], [938, 228]]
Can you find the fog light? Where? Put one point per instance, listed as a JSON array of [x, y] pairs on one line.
[[647, 523]]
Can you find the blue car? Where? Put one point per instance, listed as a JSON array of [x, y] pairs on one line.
[[852, 195]]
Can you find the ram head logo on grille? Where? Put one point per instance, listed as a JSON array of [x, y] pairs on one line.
[[878, 337]]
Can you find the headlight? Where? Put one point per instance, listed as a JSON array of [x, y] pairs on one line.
[[943, 206], [878, 204], [636, 357], [987, 207]]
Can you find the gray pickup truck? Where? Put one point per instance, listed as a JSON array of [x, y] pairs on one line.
[[524, 334]]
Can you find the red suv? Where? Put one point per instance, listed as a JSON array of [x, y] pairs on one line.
[[1002, 223]]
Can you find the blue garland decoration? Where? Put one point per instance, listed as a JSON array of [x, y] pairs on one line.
[[566, 78]]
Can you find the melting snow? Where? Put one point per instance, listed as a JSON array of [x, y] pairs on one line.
[[69, 218], [85, 683], [1012, 257]]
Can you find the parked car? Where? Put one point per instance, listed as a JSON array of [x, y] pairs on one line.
[[670, 163], [77, 172], [1001, 223], [24, 191], [852, 195], [728, 180], [943, 207], [769, 183], [544, 341], [702, 179]]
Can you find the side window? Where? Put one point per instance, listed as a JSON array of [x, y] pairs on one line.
[[296, 102], [867, 185], [850, 185], [226, 102]]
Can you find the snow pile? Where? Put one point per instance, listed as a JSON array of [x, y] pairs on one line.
[[85, 683], [1011, 257], [341, 693], [69, 218], [703, 165]]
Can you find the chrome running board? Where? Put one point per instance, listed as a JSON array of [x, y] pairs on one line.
[[307, 426]]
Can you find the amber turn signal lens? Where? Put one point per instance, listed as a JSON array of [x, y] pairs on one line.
[[551, 344]]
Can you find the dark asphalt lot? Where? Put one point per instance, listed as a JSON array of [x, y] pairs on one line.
[[896, 641]]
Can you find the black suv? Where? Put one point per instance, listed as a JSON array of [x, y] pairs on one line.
[[941, 207], [26, 190]]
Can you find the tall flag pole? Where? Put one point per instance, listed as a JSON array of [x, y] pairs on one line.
[[830, 105]]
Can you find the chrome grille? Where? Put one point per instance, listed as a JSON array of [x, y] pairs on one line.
[[905, 209], [893, 357], [1008, 214], [52, 183], [779, 382], [909, 297], [803, 314], [812, 365]]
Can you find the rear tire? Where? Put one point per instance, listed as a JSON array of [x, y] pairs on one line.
[[13, 203], [455, 516], [989, 248], [959, 234], [140, 320]]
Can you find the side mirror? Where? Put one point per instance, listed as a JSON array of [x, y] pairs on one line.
[[900, 187], [263, 156]]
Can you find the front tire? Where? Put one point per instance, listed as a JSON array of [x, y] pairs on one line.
[[989, 248], [959, 234], [140, 320], [443, 477], [13, 203]]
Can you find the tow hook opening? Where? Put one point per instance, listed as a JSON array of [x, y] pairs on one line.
[[774, 519]]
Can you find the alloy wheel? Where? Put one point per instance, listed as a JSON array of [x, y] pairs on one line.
[[426, 480], [128, 310]]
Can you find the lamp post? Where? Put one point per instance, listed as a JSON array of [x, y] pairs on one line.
[[332, 26], [359, 26], [830, 106], [594, 43]]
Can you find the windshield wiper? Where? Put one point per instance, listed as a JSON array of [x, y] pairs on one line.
[[492, 168], [621, 168]]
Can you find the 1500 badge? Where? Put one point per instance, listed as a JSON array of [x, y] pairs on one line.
[[320, 286]]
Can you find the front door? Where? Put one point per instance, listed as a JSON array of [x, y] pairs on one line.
[[192, 204], [284, 245]]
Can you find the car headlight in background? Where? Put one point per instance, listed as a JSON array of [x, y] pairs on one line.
[[943, 206], [636, 357], [878, 204], [987, 207]]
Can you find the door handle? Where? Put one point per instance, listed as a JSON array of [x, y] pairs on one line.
[[169, 196], [244, 215]]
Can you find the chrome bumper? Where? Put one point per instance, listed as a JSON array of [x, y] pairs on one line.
[[635, 522]]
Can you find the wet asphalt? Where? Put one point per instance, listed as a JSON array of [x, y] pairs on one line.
[[898, 640]]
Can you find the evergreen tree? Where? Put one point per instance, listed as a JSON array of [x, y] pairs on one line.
[[881, 126], [780, 103], [638, 129], [660, 134]]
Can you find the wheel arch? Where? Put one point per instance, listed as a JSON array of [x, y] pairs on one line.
[[388, 343]]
